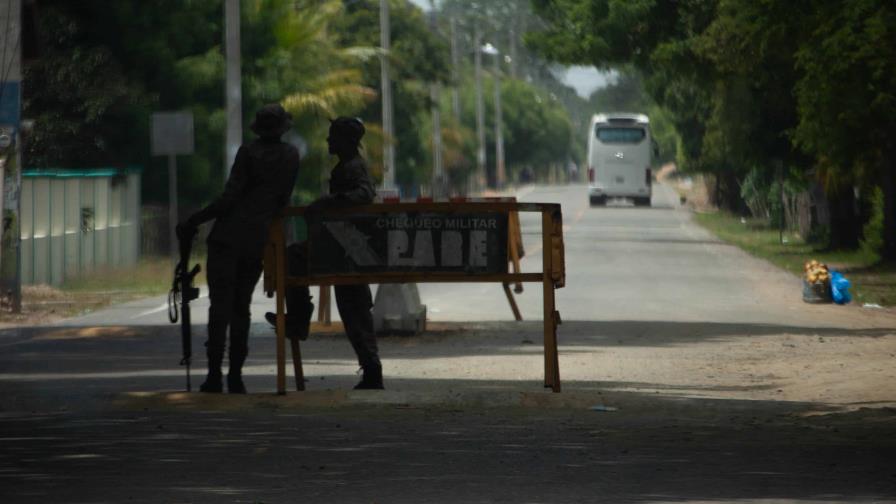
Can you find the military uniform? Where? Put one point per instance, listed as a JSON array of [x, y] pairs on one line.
[[259, 187], [350, 184]]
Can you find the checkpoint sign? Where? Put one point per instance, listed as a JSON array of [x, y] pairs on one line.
[[463, 243]]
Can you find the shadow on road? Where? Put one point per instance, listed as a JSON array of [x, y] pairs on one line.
[[77, 366], [647, 451], [41, 350], [68, 436]]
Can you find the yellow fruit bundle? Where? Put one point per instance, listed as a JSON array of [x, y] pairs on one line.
[[816, 272]]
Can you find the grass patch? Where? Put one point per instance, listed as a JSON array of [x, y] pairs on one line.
[[149, 277], [872, 281], [95, 290]]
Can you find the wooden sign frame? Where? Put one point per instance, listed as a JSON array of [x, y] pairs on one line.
[[552, 276]]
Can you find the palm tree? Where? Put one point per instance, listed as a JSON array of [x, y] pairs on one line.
[[302, 66]]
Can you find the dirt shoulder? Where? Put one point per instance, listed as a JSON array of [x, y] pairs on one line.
[[43, 304]]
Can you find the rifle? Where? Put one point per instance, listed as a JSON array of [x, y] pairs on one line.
[[182, 292]]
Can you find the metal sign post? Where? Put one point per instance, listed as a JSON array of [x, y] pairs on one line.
[[172, 135], [11, 148], [385, 82], [233, 88]]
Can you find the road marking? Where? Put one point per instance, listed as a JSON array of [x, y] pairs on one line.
[[150, 312], [525, 191], [577, 218]]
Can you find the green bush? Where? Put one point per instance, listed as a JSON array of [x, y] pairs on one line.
[[754, 189], [762, 193], [819, 235]]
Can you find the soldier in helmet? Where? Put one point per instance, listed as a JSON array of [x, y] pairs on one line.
[[350, 184], [259, 187]]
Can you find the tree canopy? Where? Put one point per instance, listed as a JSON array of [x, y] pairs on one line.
[[751, 86]]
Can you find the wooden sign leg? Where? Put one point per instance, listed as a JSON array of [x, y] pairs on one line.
[[280, 261], [514, 256], [516, 238], [551, 357], [510, 299], [297, 364], [323, 305], [551, 361], [556, 354], [558, 280]]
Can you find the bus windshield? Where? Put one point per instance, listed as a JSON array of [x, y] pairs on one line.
[[620, 135]]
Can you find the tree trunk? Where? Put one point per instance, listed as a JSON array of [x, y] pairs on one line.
[[888, 186], [846, 226]]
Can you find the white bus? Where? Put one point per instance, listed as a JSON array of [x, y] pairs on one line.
[[619, 158]]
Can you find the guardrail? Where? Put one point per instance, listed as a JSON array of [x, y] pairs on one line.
[[424, 242]]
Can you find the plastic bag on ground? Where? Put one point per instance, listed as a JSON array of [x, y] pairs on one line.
[[840, 288]]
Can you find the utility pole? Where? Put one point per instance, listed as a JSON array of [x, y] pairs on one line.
[[438, 172], [233, 87], [455, 72], [388, 129], [435, 95], [11, 149], [499, 133], [491, 50], [403, 298], [480, 178]]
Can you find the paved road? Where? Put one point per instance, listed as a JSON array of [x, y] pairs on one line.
[[692, 373], [625, 263]]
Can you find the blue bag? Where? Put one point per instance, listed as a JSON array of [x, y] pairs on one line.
[[840, 288]]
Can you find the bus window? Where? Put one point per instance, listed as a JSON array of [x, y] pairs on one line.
[[620, 135]]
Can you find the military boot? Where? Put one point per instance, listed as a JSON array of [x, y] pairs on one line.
[[212, 383], [372, 379], [214, 351], [235, 383]]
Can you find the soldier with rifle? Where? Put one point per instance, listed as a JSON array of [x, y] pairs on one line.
[[259, 187], [350, 184]]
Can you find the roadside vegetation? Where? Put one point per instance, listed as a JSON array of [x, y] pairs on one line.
[[762, 95], [151, 276], [95, 290], [784, 111], [872, 281]]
